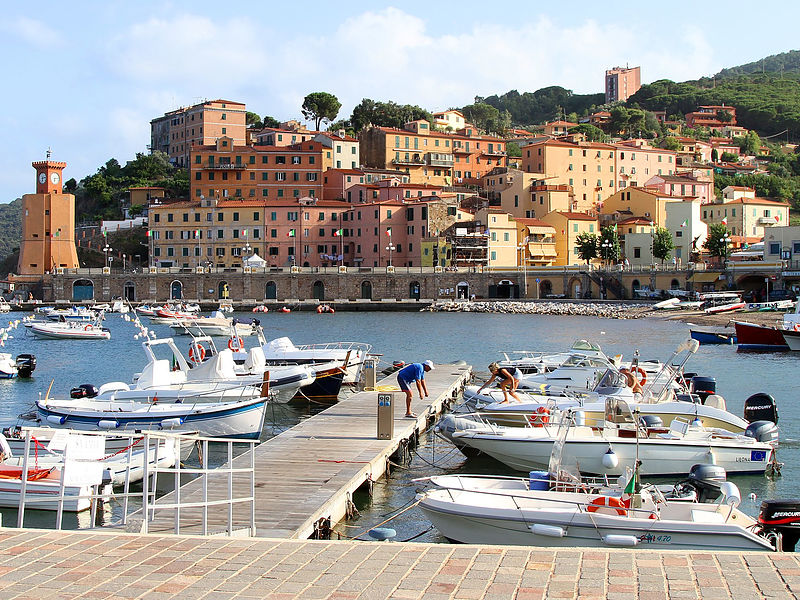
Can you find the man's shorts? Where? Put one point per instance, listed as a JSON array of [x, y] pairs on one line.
[[403, 385]]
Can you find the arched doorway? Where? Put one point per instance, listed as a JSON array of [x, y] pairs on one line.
[[635, 285], [271, 291], [129, 291], [176, 290], [223, 291], [575, 288], [462, 290], [674, 285], [545, 289], [366, 290], [82, 289], [318, 290], [507, 289], [414, 290]]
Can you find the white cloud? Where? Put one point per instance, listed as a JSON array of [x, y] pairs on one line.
[[32, 32]]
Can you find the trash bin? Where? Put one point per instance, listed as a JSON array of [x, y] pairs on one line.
[[386, 402]]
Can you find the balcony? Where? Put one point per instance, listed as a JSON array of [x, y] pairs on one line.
[[440, 160], [766, 221], [224, 166], [413, 160], [493, 153], [462, 150]]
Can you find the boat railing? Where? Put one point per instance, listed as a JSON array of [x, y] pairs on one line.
[[146, 503], [362, 347]]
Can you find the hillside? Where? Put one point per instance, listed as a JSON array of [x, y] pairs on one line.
[[10, 227], [530, 108], [786, 62]]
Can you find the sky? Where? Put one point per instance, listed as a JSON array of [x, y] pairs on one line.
[[84, 79]]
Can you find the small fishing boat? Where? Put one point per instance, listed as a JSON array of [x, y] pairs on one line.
[[281, 351], [75, 313], [218, 325], [4, 306], [22, 366], [792, 339], [727, 307], [709, 335], [754, 336], [70, 330]]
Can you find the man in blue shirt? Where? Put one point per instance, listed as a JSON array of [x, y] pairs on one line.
[[414, 373]]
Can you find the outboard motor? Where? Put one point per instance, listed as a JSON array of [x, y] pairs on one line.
[[693, 398], [651, 421], [85, 390], [26, 365], [762, 431], [706, 481], [781, 517], [760, 407], [703, 387]]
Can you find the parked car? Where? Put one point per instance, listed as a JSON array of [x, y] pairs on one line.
[[781, 295]]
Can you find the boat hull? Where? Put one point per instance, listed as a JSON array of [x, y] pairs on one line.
[[751, 336], [712, 337]]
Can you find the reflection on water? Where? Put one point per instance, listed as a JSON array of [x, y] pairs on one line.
[[442, 337]]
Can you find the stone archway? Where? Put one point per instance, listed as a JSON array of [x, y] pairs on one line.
[[271, 291], [366, 290], [545, 289], [129, 291], [318, 291], [575, 288], [414, 290], [223, 290], [176, 290], [82, 289], [462, 290]]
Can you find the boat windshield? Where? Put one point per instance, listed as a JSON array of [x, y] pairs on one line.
[[584, 346], [563, 467], [611, 378], [618, 411], [581, 360]]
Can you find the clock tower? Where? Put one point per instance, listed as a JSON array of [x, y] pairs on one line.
[[48, 224]]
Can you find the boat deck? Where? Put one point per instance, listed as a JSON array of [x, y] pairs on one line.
[[305, 477], [63, 564]]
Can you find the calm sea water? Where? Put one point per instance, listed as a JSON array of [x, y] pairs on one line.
[[442, 337]]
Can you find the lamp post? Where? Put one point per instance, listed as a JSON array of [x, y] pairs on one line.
[[724, 241], [106, 250], [247, 249], [138, 260], [606, 247], [124, 256], [390, 248], [524, 260]]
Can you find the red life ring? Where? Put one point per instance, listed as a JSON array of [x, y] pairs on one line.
[[319, 309], [607, 502], [640, 371], [540, 417], [197, 353], [235, 343], [87, 327]]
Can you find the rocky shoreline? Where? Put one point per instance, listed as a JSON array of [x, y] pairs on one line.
[[606, 310]]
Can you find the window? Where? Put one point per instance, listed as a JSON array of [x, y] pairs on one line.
[[494, 255], [575, 227], [637, 253], [280, 176], [169, 218], [505, 236], [220, 234], [220, 217], [295, 160], [236, 216], [774, 248]]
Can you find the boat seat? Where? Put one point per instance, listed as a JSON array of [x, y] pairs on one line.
[[715, 401], [706, 516], [255, 361]]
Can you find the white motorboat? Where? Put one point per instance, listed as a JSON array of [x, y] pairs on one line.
[[506, 511], [621, 440], [217, 325], [75, 313], [119, 306], [70, 330], [22, 366], [235, 419], [528, 361], [281, 351], [4, 306]]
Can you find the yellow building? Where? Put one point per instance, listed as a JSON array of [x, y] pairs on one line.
[[537, 242], [568, 226], [502, 238], [640, 202], [526, 195], [436, 252], [747, 216], [48, 224]]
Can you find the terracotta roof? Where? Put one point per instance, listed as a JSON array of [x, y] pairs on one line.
[[533, 223], [348, 171], [635, 221], [576, 216], [756, 201]]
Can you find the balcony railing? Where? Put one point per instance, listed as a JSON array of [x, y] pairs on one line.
[[441, 160], [224, 166], [493, 152], [408, 161]]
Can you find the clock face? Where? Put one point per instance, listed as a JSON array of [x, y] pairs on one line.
[[42, 177], [54, 178]]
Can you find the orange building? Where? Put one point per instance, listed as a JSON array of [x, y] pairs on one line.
[[433, 157], [225, 170], [177, 131], [48, 224], [709, 116], [621, 83]]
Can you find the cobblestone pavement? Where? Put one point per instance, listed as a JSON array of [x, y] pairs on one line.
[[49, 564]]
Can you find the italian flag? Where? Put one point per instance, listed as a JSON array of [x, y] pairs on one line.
[[725, 221], [149, 233], [196, 233], [337, 233], [291, 233]]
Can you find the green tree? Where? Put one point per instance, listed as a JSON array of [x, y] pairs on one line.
[[729, 157], [718, 240], [619, 120], [253, 120], [482, 115], [750, 143], [320, 106], [385, 114], [270, 122], [671, 143], [714, 155], [586, 244], [513, 149], [724, 116], [608, 246], [592, 133], [662, 244]]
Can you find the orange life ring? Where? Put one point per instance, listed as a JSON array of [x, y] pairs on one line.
[[87, 327], [641, 372], [319, 309], [285, 310], [607, 502], [540, 417], [197, 353], [796, 327], [235, 343]]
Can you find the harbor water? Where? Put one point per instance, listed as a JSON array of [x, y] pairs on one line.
[[442, 337]]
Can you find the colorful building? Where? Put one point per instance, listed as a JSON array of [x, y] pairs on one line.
[[622, 83], [711, 117], [567, 227], [747, 216]]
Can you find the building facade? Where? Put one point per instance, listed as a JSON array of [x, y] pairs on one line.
[[622, 83]]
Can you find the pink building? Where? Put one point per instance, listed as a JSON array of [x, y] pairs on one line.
[[683, 185]]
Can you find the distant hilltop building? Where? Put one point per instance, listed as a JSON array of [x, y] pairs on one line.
[[202, 124], [48, 223], [622, 83]]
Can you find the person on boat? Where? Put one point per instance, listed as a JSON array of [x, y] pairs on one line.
[[631, 380], [509, 382], [414, 373]]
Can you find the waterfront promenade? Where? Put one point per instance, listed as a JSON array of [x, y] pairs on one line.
[[55, 565]]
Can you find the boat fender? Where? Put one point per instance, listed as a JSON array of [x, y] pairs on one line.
[[56, 419], [610, 459], [607, 502], [173, 422], [613, 539], [547, 530], [235, 343], [319, 310], [107, 424]]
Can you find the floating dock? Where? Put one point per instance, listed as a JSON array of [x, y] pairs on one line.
[[305, 477]]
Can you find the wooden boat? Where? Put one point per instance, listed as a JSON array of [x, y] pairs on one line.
[[712, 336], [752, 336]]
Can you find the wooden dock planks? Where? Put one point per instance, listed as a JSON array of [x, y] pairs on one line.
[[308, 472]]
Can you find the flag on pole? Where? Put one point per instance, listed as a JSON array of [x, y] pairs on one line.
[[389, 231], [337, 233], [725, 221], [196, 233], [685, 223], [149, 233], [244, 232], [105, 233], [778, 218], [291, 233], [629, 491]]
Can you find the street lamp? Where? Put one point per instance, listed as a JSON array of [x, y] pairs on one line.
[[524, 260], [106, 250], [246, 250], [605, 251], [390, 248], [724, 241]]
